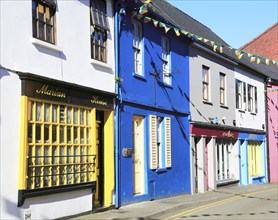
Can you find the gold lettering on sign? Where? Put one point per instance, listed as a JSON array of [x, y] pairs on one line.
[[50, 92], [228, 134], [95, 100]]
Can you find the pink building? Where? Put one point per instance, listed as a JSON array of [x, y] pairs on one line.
[[272, 105]]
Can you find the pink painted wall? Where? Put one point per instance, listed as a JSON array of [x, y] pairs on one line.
[[272, 96]]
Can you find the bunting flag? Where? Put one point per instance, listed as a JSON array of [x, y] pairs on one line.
[[155, 23], [184, 32], [177, 31], [164, 26], [221, 49], [147, 19], [145, 1], [143, 9], [267, 61], [253, 58], [214, 47], [199, 38]]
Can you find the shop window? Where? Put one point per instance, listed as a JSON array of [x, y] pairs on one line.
[[223, 153], [137, 46], [166, 60], [160, 142], [59, 147], [44, 20], [99, 29]]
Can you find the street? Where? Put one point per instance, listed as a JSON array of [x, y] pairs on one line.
[[260, 204]]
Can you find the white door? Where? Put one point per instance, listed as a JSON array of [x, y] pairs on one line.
[[138, 155]]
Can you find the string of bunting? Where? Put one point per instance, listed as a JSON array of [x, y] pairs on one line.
[[215, 45]]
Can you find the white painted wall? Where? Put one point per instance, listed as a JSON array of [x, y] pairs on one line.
[[246, 119], [72, 63], [69, 61], [201, 111]]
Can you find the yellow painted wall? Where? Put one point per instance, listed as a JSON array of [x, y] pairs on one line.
[[108, 157], [22, 184]]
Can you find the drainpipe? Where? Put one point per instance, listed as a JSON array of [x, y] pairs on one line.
[[119, 11], [267, 130]]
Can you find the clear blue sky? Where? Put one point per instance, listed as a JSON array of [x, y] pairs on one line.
[[235, 21]]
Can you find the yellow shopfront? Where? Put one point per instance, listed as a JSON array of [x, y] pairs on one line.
[[67, 140]]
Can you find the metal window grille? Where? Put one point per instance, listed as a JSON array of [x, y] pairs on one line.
[[60, 150]]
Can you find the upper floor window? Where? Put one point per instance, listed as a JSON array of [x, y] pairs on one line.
[[137, 46], [205, 78], [252, 99], [160, 142], [222, 89], [240, 95], [44, 20], [99, 29], [166, 60]]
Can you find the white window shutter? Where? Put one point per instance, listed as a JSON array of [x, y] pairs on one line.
[[153, 142], [168, 146]]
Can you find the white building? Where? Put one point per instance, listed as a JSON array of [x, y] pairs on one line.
[[57, 98]]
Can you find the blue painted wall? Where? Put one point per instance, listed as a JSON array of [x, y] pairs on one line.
[[244, 137], [146, 96]]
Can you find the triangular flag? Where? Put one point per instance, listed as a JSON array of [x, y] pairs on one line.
[[184, 32], [214, 47], [258, 60], [166, 28], [212, 43], [190, 35], [145, 1], [143, 9], [198, 37], [147, 19], [237, 52], [221, 49], [249, 54], [155, 23], [206, 40], [239, 56], [177, 32], [230, 48], [273, 61], [267, 61], [252, 59]]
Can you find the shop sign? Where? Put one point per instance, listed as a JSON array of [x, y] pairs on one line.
[[65, 94], [252, 136], [228, 134]]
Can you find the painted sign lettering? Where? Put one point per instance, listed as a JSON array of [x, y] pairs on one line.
[[228, 134], [50, 92], [95, 100]]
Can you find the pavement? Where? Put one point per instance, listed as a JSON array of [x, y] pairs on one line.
[[149, 209]]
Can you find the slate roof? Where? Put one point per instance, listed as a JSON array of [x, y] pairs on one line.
[[175, 17]]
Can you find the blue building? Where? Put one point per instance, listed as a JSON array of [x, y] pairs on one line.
[[152, 126]]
